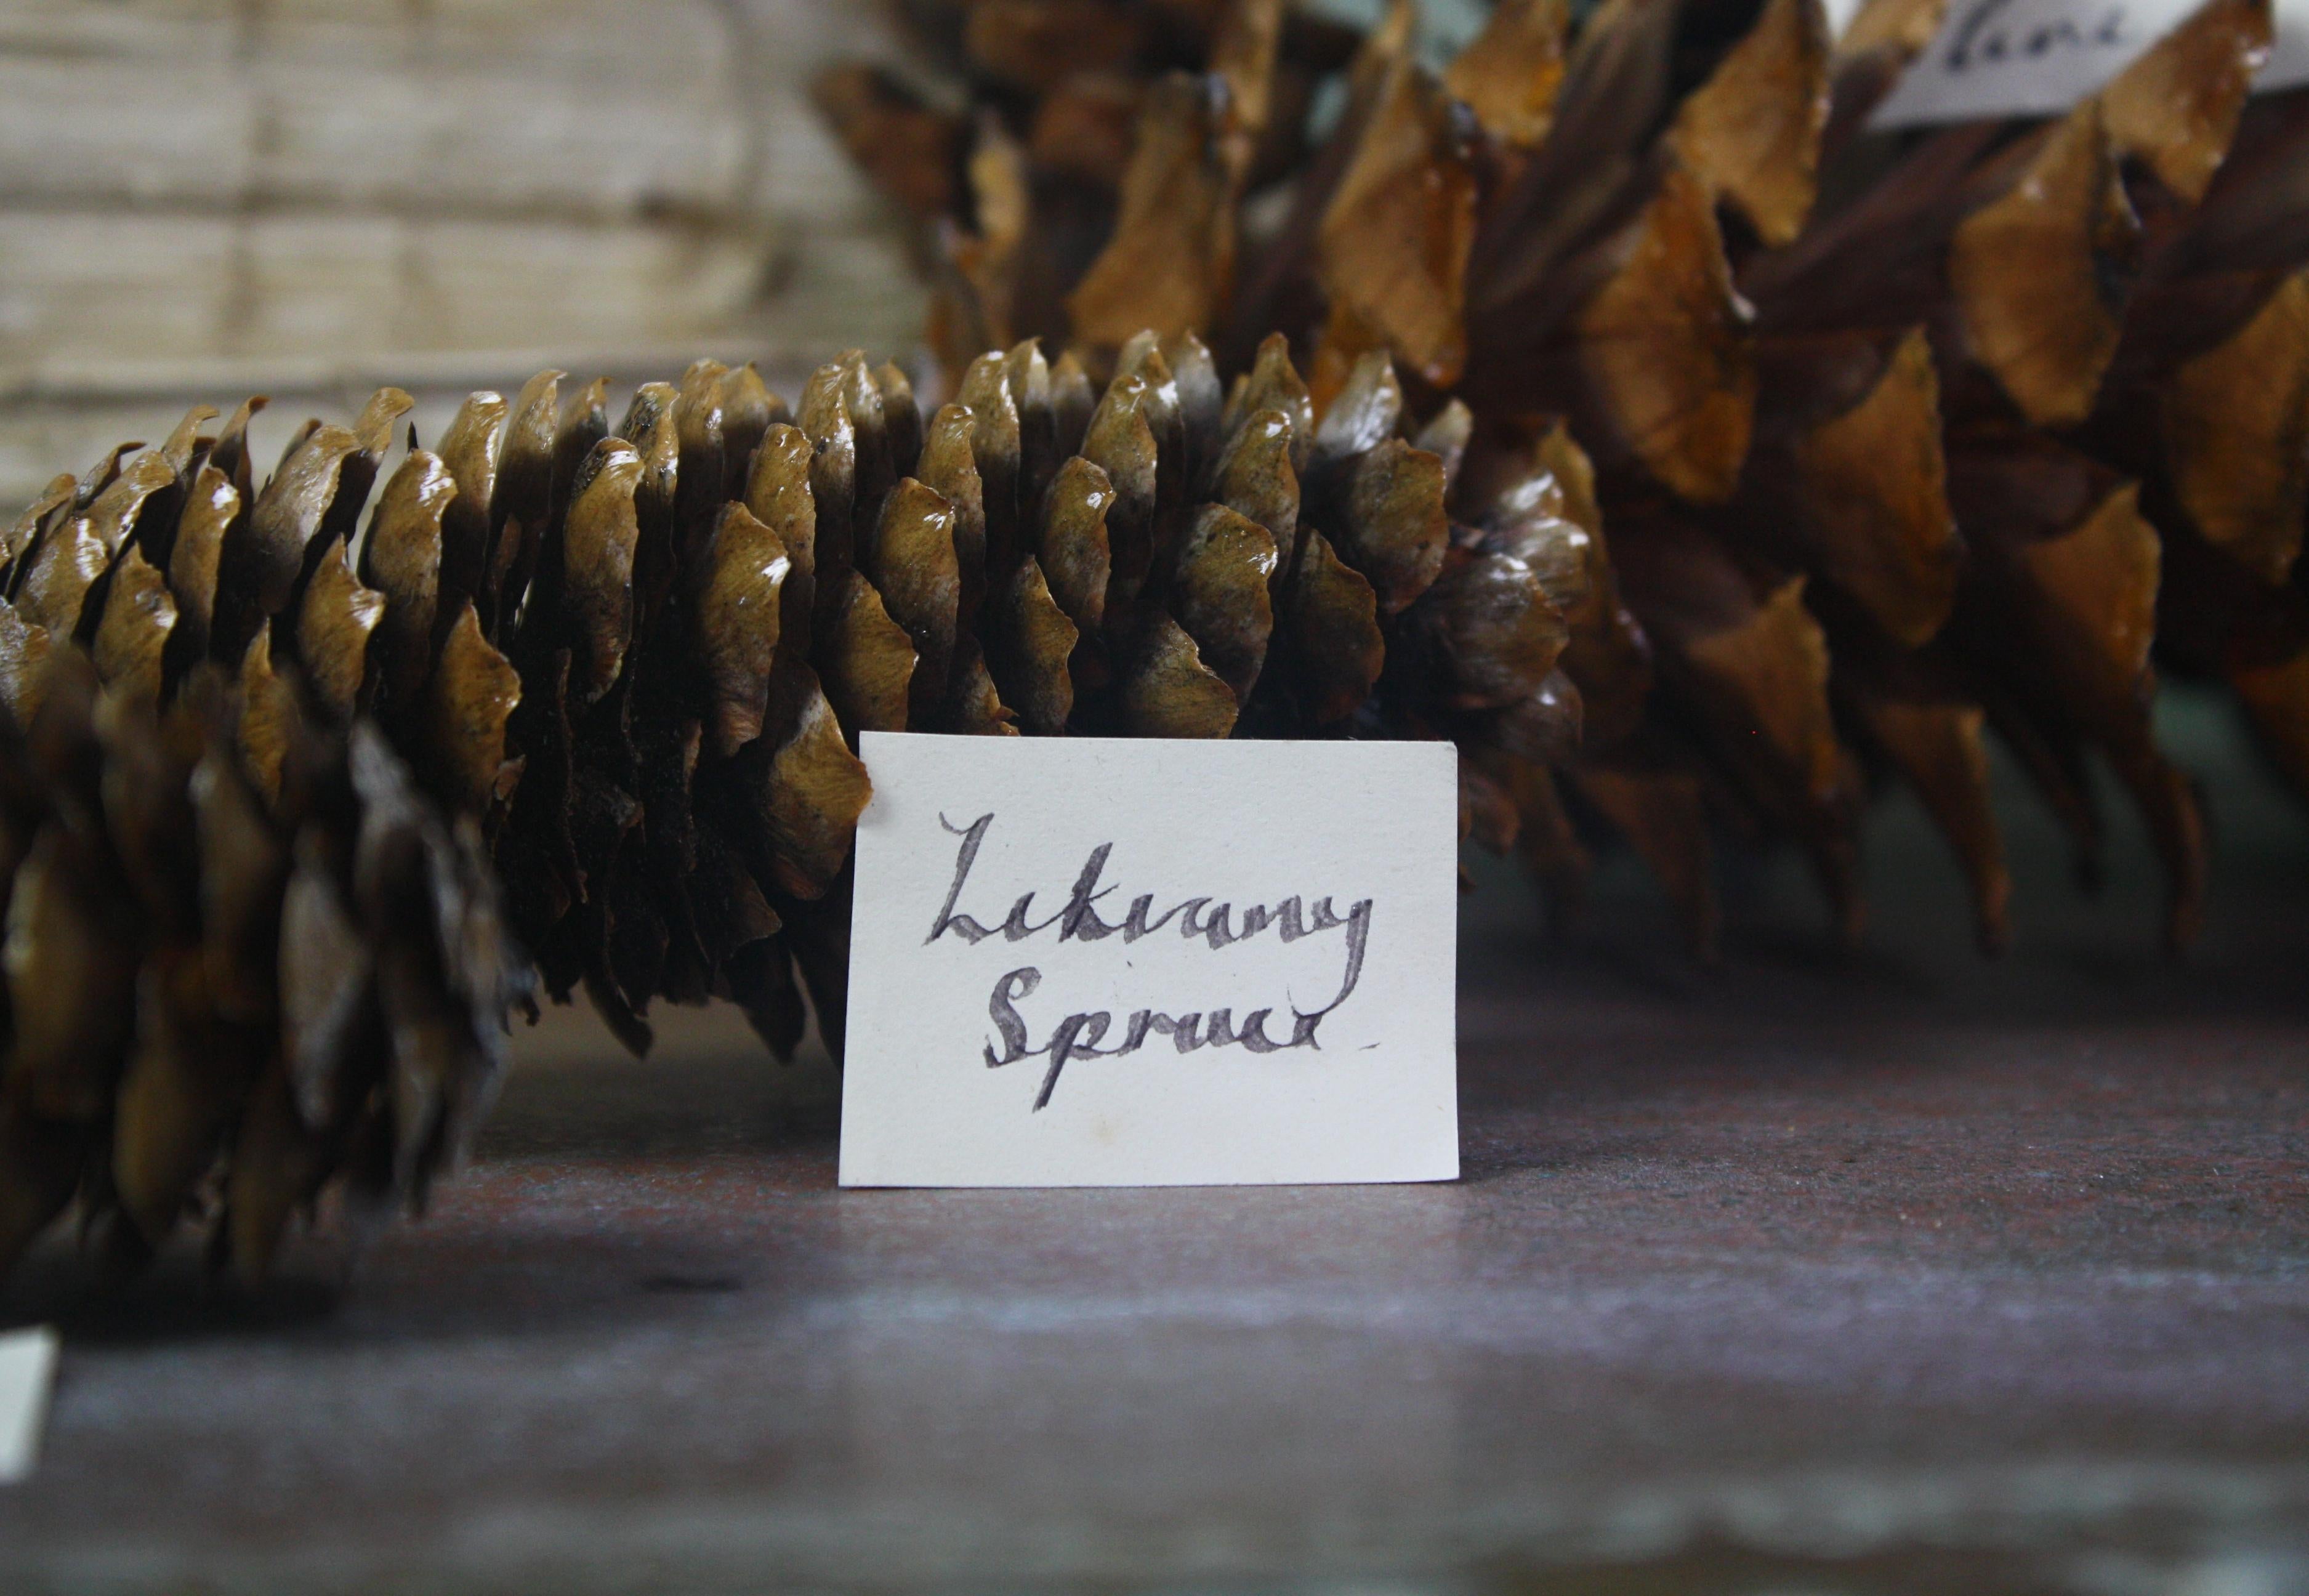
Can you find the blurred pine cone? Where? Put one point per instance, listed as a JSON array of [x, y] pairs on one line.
[[249, 963], [227, 997], [1901, 437], [635, 663]]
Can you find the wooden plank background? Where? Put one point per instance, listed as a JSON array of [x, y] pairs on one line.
[[203, 198]]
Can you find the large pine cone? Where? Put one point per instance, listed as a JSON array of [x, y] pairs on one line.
[[1901, 438], [637, 662]]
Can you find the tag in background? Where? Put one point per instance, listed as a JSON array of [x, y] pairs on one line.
[[28, 1367], [2039, 57]]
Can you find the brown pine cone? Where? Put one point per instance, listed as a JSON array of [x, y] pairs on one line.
[[227, 1000], [2005, 580], [639, 660], [284, 966], [1902, 438], [725, 598]]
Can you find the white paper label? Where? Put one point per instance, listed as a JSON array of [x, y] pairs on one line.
[[27, 1366], [1840, 13], [2039, 57], [1099, 962]]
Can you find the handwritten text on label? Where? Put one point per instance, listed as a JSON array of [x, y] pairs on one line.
[[2039, 57]]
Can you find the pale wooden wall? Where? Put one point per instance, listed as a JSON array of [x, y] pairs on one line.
[[200, 198]]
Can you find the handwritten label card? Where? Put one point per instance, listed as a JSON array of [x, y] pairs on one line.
[[2039, 57], [28, 1365], [1094, 961]]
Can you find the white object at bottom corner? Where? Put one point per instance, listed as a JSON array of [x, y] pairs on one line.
[[27, 1366]]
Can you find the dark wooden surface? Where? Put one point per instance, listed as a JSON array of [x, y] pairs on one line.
[[1886, 1271]]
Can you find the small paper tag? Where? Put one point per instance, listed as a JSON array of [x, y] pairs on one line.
[[27, 1366], [1097, 961], [2039, 57], [1840, 13]]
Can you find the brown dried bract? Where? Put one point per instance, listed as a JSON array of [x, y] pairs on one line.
[[1751, 131], [1033, 640], [1335, 647], [1226, 564], [1872, 512], [2175, 107], [912, 566], [739, 582], [472, 694], [1510, 75], [402, 557], [139, 614], [1391, 253], [286, 516], [335, 622], [1169, 264], [1663, 812], [600, 539], [1167, 690], [867, 658], [811, 793], [1662, 346], [1940, 750], [2038, 273], [1391, 525], [2236, 434]]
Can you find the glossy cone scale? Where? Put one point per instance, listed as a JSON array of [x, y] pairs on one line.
[[1901, 440]]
